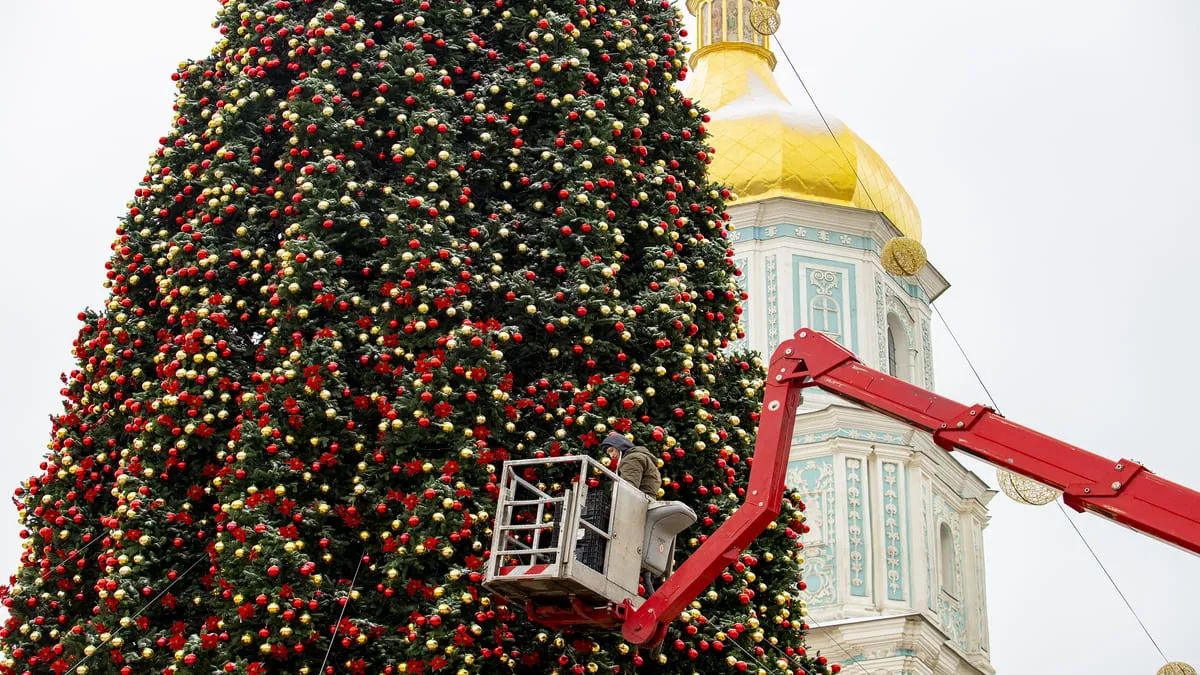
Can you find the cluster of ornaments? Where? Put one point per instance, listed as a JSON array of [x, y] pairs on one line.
[[386, 246]]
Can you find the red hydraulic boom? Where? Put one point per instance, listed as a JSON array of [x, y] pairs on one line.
[[1124, 491]]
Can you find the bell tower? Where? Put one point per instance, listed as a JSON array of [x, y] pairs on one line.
[[894, 556], [730, 23]]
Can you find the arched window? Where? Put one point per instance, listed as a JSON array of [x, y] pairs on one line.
[[727, 21], [899, 350], [946, 558], [748, 32], [827, 316], [732, 11]]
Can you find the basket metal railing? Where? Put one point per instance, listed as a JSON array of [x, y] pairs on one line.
[[539, 525]]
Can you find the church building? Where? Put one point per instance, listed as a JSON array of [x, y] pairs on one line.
[[894, 561]]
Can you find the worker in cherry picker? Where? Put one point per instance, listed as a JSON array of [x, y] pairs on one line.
[[634, 463]]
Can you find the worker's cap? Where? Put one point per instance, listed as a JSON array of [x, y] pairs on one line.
[[615, 440]]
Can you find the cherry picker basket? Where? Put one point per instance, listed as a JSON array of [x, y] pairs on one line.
[[567, 532]]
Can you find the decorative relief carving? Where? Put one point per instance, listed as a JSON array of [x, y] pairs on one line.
[[927, 353], [855, 434], [825, 303], [825, 298], [823, 282], [856, 526], [772, 298], [954, 624], [893, 530], [786, 230], [813, 479]]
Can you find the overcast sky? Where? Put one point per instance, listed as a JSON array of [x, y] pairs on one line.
[[1051, 146]]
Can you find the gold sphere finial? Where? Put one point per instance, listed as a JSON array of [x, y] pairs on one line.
[[1177, 668], [903, 256], [764, 18], [1025, 491]]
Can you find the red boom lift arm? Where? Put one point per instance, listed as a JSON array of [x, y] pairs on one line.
[[1124, 491]]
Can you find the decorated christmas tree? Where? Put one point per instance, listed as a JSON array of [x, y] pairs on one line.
[[385, 246]]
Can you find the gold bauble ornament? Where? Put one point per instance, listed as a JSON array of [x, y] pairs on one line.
[[1177, 668], [764, 18], [903, 256], [1025, 491]]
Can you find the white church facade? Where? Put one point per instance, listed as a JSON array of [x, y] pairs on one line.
[[894, 560]]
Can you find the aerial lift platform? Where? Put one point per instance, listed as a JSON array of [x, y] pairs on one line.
[[571, 538], [584, 541]]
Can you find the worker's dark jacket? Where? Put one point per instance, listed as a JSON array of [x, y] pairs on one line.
[[639, 467]]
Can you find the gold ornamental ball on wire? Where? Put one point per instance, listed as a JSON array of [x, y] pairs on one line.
[[903, 256], [764, 18], [1025, 491], [1177, 668]]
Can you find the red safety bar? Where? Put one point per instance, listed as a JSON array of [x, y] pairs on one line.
[[1124, 491]]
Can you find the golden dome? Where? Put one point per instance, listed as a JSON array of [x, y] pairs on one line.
[[765, 146]]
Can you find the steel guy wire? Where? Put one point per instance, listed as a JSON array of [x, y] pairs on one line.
[[74, 554], [337, 626], [837, 642], [828, 128], [1057, 503], [959, 345], [145, 607]]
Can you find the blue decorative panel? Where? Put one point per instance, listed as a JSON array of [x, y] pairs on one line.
[[772, 297], [825, 298], [819, 235], [856, 527], [855, 434], [954, 624], [825, 310], [894, 530], [813, 479], [743, 282]]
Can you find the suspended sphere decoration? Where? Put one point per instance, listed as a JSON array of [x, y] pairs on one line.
[[764, 18], [903, 256], [1177, 668], [1025, 491]]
